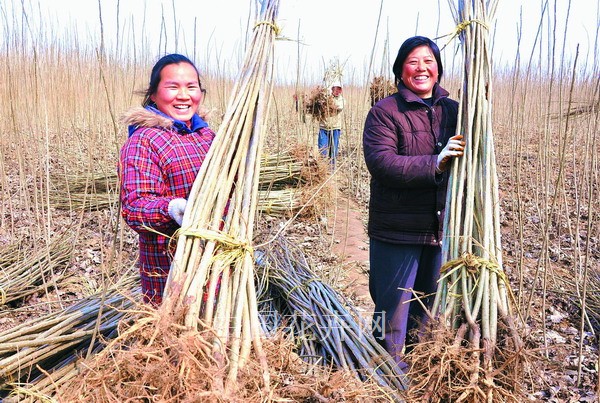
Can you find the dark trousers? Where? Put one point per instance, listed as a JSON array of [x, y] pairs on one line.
[[394, 271]]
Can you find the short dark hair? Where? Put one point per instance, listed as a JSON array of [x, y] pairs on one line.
[[173, 58], [408, 46]]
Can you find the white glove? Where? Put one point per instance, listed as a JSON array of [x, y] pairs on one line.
[[454, 148], [176, 209]]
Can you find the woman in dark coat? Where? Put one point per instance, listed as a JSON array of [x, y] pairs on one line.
[[409, 142]]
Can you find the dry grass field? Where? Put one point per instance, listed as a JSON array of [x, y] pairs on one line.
[[59, 120]]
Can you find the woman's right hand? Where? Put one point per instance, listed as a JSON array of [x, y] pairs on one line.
[[454, 148]]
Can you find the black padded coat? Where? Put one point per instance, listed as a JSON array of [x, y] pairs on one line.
[[401, 140]]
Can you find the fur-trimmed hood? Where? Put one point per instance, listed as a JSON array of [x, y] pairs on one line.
[[149, 116], [141, 117]]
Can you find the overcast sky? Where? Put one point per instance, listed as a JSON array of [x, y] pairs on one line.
[[346, 30]]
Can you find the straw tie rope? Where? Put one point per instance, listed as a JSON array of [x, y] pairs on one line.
[[460, 28], [473, 263], [271, 24], [303, 285], [227, 241]]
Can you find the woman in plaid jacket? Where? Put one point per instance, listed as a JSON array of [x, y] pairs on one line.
[[168, 141]]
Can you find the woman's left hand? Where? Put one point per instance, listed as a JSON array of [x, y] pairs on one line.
[[454, 148]]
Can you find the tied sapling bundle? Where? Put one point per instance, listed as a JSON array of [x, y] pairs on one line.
[[321, 103], [325, 326], [211, 281], [84, 190], [473, 300], [380, 88], [41, 354], [99, 190], [293, 167], [24, 273]]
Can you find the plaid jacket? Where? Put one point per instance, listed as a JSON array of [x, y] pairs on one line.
[[158, 162]]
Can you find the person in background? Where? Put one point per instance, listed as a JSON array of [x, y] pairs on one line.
[[168, 141], [330, 126], [409, 143]]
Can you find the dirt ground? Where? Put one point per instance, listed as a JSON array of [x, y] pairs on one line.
[[337, 242], [351, 245], [552, 373]]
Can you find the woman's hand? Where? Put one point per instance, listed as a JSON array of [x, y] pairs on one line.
[[454, 148]]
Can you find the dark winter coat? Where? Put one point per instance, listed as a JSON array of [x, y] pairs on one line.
[[401, 140]]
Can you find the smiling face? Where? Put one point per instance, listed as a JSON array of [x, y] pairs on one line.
[[420, 71], [178, 93]]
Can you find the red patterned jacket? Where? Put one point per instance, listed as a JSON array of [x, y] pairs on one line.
[[158, 162]]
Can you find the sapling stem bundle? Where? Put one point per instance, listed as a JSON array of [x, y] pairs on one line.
[[473, 289], [211, 281]]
